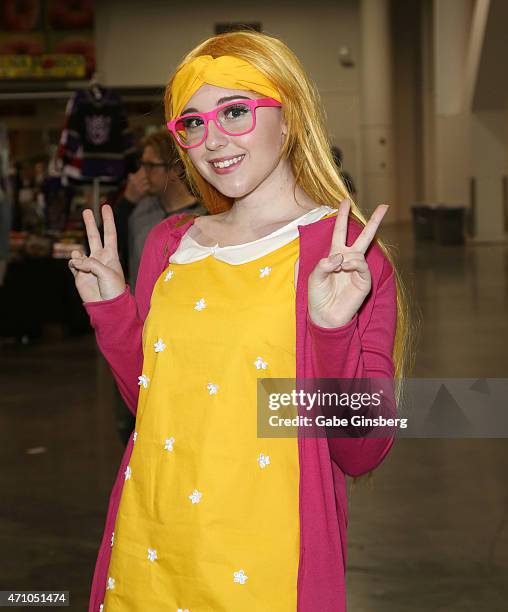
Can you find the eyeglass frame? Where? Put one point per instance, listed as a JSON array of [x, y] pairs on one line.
[[212, 115]]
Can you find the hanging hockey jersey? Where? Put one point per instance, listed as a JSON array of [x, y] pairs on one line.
[[96, 140]]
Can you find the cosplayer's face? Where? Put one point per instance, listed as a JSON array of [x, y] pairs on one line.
[[259, 149]]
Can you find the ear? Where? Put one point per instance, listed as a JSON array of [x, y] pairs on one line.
[[284, 128]]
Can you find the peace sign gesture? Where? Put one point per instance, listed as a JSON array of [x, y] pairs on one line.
[[339, 283], [99, 276]]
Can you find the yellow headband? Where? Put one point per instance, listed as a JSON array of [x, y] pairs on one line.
[[224, 71]]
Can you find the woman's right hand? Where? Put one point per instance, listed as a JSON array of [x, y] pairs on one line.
[[99, 276]]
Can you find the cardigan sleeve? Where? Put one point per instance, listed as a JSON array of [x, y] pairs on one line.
[[118, 322], [118, 330], [347, 352]]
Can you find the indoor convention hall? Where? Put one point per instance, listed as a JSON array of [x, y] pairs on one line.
[[254, 305]]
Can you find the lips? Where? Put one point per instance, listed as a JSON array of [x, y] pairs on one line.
[[228, 169]]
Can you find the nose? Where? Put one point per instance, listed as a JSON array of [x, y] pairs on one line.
[[215, 138]]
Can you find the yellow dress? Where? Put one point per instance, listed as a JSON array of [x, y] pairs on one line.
[[209, 514]]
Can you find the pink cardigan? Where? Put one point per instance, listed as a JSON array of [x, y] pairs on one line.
[[362, 348]]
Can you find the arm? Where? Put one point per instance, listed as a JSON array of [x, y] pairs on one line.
[[118, 330], [347, 352]]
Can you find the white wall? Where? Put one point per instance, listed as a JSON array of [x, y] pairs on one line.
[[140, 42]]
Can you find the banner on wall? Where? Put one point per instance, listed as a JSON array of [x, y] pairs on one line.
[[47, 39]]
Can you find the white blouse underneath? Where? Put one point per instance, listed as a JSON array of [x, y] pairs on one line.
[[189, 250]]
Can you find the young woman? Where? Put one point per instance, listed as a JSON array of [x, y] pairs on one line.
[[281, 280]]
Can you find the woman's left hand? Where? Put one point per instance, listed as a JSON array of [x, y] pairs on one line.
[[339, 283]]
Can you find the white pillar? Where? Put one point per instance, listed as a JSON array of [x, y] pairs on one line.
[[489, 123], [376, 106], [489, 167], [452, 140]]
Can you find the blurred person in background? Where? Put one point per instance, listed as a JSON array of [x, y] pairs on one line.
[[156, 191]]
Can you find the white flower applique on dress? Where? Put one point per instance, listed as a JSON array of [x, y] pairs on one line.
[[200, 304], [143, 381], [212, 389], [152, 554], [169, 274], [111, 583], [263, 460], [159, 346], [195, 497], [168, 445], [180, 610], [128, 472], [264, 271], [135, 436], [240, 577], [112, 538], [101, 607], [260, 364]]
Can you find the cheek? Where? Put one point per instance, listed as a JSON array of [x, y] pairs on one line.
[[262, 148]]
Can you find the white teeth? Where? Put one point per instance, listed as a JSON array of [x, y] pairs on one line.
[[228, 162]]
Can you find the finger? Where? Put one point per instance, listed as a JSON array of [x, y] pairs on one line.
[[357, 264], [76, 254], [366, 236], [90, 264], [94, 238], [340, 227], [336, 262], [72, 268], [325, 266], [109, 227]]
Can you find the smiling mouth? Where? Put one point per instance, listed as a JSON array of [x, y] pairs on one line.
[[228, 162]]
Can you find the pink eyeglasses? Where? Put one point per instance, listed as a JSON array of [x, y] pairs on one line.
[[233, 119]]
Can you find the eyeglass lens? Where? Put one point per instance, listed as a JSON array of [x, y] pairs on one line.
[[234, 119]]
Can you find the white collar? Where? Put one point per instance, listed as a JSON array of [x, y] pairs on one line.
[[189, 250]]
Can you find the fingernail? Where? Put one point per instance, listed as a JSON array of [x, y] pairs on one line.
[[336, 257]]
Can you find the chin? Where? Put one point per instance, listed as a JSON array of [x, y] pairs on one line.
[[237, 187], [233, 192]]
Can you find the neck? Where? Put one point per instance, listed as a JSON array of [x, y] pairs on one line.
[[256, 209], [176, 196]]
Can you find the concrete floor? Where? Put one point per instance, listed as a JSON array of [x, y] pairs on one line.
[[429, 532]]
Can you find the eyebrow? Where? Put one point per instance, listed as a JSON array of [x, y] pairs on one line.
[[219, 102]]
